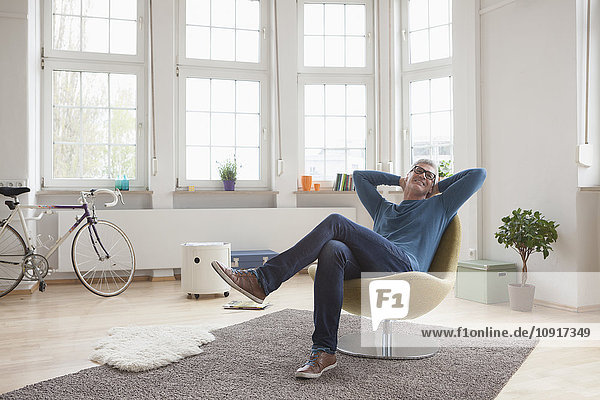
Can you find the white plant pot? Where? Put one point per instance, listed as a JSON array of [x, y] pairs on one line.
[[521, 297]]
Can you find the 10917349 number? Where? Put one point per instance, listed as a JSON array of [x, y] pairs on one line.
[[561, 332]]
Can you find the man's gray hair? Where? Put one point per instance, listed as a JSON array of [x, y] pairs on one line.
[[428, 162]]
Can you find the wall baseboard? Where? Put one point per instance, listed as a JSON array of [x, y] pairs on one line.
[[589, 308], [140, 278], [162, 278]]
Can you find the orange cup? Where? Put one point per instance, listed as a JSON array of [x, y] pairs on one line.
[[306, 182], [317, 186]]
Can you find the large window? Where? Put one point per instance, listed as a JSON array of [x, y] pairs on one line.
[[335, 35], [222, 122], [427, 80], [429, 30], [430, 118], [335, 129], [93, 93], [223, 94], [227, 30], [336, 87]]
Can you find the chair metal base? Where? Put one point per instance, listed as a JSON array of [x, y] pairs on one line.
[[393, 346]]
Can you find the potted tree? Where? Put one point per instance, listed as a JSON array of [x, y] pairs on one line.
[[228, 173], [527, 232]]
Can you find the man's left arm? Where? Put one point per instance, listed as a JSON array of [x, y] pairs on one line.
[[457, 189]]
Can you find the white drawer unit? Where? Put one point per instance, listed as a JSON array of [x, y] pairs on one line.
[[197, 275]]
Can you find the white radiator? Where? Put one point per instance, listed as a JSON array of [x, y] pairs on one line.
[[157, 235]]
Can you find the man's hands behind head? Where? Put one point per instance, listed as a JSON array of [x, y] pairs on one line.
[[402, 182]]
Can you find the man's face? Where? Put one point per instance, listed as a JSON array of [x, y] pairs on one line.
[[418, 182]]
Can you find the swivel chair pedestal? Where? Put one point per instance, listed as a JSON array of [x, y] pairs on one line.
[[388, 345]]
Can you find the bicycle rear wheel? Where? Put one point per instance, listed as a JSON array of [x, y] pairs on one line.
[[12, 251], [103, 258]]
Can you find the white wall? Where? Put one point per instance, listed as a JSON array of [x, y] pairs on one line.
[[13, 90], [589, 176], [529, 98]]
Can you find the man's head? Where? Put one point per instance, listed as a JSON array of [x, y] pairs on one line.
[[421, 179]]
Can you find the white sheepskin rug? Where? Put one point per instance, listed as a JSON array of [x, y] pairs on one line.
[[141, 348]]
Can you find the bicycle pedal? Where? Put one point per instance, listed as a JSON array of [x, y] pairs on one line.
[[42, 286]]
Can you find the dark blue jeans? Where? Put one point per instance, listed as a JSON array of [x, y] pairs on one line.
[[344, 249]]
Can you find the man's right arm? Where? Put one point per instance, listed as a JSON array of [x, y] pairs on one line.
[[366, 183]]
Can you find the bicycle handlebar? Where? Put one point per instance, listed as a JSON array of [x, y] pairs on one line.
[[115, 193]]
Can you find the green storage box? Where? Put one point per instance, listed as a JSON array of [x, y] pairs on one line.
[[484, 281]]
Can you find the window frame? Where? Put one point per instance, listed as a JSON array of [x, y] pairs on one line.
[[417, 72], [48, 51], [405, 40], [192, 72], [230, 70], [80, 61], [47, 138], [339, 75], [182, 59], [370, 33], [370, 113], [406, 80]]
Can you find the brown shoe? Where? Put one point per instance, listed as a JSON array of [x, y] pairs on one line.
[[319, 362], [242, 280]]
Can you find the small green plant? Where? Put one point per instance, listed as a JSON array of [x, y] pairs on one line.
[[527, 232], [228, 170], [445, 169]]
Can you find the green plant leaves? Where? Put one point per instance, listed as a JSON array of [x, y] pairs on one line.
[[527, 232], [228, 170]]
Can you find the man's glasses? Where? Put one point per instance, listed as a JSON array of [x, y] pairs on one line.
[[428, 174]]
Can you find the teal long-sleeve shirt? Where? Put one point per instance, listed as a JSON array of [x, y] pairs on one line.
[[416, 226]]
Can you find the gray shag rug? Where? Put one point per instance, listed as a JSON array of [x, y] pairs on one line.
[[257, 359]]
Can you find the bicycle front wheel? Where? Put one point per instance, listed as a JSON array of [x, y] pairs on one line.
[[12, 251], [103, 258]]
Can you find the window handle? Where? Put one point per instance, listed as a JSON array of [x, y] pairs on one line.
[[264, 33], [404, 34]]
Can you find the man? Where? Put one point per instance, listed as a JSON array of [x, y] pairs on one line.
[[405, 237]]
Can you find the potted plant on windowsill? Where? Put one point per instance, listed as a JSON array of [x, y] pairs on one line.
[[527, 232], [228, 173]]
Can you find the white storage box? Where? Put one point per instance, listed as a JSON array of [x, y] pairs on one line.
[[484, 281], [197, 275]]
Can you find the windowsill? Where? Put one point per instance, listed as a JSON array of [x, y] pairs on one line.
[[68, 192], [329, 191], [228, 192], [589, 189], [325, 191]]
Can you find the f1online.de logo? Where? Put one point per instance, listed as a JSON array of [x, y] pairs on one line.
[[388, 299]]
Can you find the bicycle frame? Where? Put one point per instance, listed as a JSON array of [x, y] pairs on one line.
[[29, 240]]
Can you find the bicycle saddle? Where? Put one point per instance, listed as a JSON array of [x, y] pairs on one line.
[[13, 191]]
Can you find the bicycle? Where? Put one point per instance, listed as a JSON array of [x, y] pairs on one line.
[[101, 253]]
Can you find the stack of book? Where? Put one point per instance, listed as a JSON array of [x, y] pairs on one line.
[[343, 183]]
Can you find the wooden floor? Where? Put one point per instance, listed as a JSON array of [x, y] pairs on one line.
[[49, 334]]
